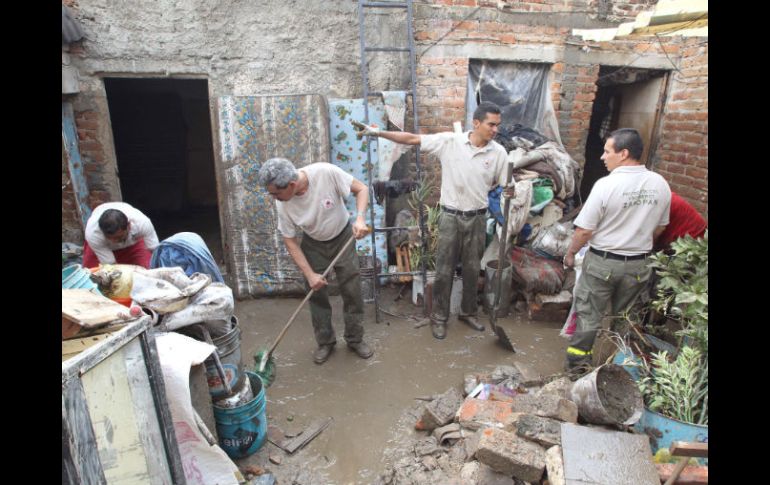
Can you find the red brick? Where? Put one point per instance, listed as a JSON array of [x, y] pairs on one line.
[[508, 38], [676, 169]]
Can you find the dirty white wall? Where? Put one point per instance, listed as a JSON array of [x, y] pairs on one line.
[[242, 47]]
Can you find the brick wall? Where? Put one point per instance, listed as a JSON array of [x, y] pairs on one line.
[[683, 150], [88, 124]]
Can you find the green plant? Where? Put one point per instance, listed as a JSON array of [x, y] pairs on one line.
[[683, 288], [679, 388], [425, 190]]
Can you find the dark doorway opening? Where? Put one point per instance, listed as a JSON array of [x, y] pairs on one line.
[[165, 156], [626, 98]]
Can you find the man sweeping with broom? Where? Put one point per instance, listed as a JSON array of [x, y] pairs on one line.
[[312, 199]]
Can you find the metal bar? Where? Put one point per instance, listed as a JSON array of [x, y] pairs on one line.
[[405, 273], [384, 4], [155, 376], [421, 205], [365, 80], [387, 49]]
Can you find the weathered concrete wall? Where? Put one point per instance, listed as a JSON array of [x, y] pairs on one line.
[[241, 47]]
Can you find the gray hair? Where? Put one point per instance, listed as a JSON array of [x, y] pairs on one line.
[[278, 172]]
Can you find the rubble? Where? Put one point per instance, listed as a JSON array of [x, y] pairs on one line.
[[477, 413], [440, 411], [547, 406], [476, 473], [560, 387], [544, 431], [506, 453], [554, 465]]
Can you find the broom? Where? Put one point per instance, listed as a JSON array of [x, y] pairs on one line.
[[265, 357]]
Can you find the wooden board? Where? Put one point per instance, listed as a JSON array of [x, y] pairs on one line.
[[72, 347], [307, 435], [88, 309]]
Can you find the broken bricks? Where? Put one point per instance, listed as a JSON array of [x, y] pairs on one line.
[[547, 406], [440, 411], [544, 431], [506, 453], [478, 413]]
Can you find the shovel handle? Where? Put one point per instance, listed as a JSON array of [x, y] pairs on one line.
[[307, 297], [501, 254]]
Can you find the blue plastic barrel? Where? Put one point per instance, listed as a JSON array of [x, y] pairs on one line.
[[242, 430], [75, 276]]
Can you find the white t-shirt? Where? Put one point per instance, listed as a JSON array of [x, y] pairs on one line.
[[468, 173], [320, 212], [140, 228], [624, 208]]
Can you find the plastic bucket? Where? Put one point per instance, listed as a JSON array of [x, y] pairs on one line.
[[490, 288], [242, 429], [75, 276], [229, 351], [608, 395]]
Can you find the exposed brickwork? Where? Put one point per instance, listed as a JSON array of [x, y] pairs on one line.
[[93, 156], [682, 155], [71, 229], [682, 150]]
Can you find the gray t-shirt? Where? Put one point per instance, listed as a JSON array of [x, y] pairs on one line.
[[320, 212], [624, 208]]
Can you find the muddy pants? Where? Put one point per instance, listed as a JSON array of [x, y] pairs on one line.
[[603, 281], [460, 238], [319, 255]]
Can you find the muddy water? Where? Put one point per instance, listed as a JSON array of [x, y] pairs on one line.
[[366, 397]]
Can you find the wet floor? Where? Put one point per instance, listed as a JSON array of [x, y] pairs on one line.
[[366, 397]]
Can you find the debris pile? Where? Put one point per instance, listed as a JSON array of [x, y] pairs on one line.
[[507, 429]]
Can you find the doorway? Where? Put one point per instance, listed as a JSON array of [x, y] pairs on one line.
[[626, 98], [165, 156]]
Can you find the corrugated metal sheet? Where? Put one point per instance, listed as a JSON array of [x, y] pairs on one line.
[[70, 28], [252, 130]]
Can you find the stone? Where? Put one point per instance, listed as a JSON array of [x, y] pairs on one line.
[[560, 387], [476, 473], [506, 453], [478, 413], [441, 410], [554, 465], [547, 406], [426, 446], [544, 431]]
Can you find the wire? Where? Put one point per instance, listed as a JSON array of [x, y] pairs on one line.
[[450, 31]]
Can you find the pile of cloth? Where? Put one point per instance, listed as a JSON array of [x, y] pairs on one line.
[[539, 221]]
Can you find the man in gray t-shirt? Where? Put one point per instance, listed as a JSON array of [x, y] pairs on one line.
[[312, 200], [472, 164], [625, 211]]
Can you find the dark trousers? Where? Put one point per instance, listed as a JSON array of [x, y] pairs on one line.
[[319, 255], [460, 238]]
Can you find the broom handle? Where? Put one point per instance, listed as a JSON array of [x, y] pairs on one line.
[[307, 297]]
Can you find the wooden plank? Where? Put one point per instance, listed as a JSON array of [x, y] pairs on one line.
[[162, 410], [88, 309], [87, 359], [307, 435], [72, 347], [685, 448], [80, 459], [690, 475]]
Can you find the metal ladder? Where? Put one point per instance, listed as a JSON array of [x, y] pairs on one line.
[[365, 79]]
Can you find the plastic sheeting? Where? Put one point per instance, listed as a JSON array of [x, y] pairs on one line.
[[522, 90]]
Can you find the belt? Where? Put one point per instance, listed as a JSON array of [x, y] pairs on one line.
[[609, 255], [464, 213]]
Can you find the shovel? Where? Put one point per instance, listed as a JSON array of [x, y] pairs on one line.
[[502, 337], [263, 357]]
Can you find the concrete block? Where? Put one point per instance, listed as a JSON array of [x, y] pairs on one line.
[[547, 406], [475, 473], [478, 413], [506, 453], [441, 410], [544, 431], [554, 465], [560, 387]]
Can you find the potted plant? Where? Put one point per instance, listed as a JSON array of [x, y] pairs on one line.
[[417, 256], [675, 385]]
